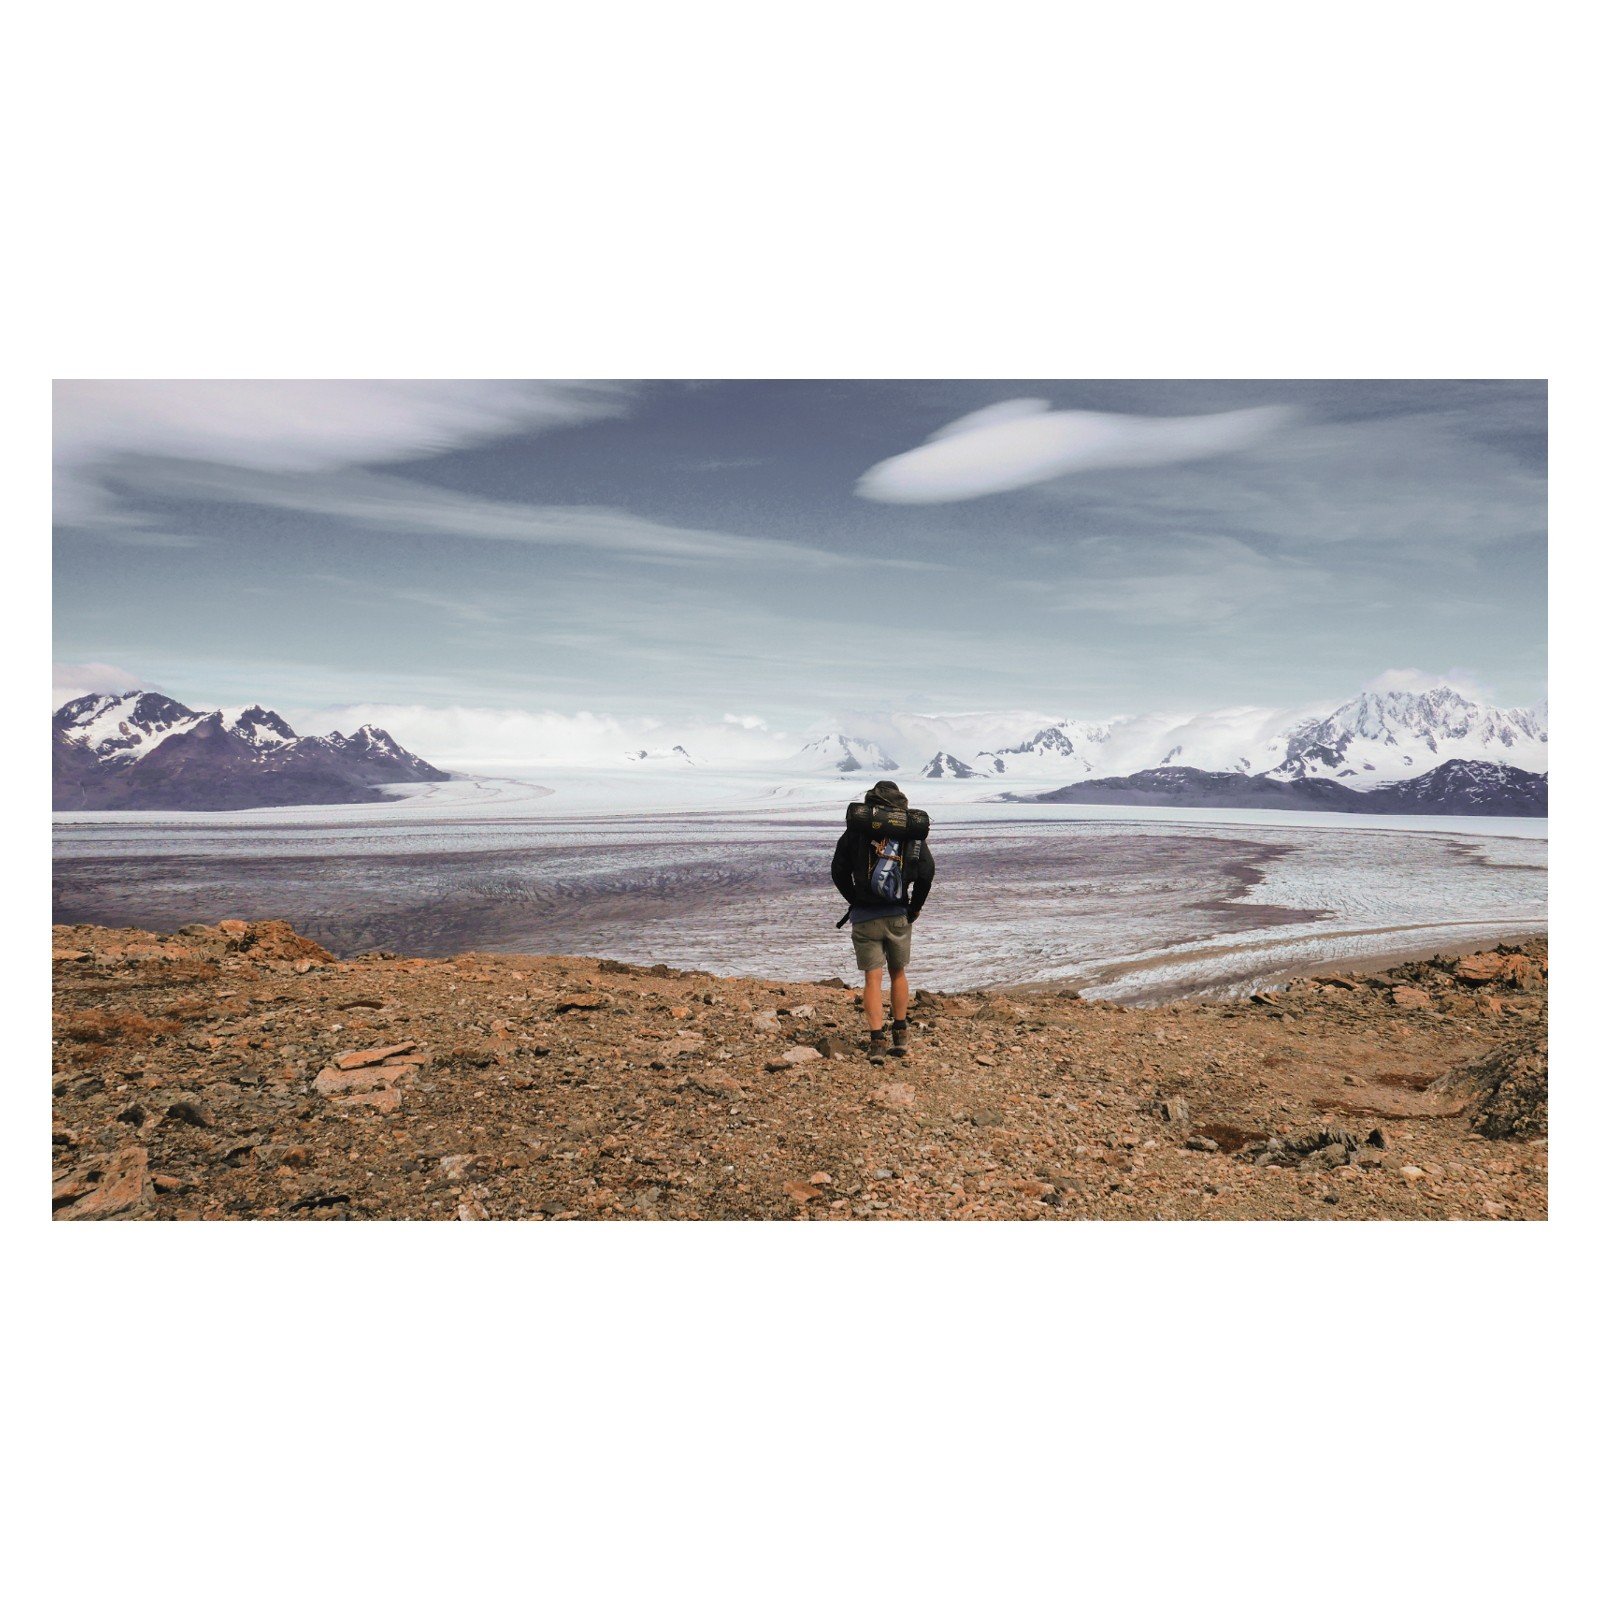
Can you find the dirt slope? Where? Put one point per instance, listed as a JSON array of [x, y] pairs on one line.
[[240, 1071]]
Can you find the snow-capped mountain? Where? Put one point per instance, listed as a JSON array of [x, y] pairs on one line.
[[1055, 751], [945, 765], [1384, 737], [836, 752], [677, 756], [144, 751], [1377, 738], [260, 726], [118, 729]]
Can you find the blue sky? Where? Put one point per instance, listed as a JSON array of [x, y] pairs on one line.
[[741, 549]]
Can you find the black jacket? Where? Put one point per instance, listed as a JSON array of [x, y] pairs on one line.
[[852, 875]]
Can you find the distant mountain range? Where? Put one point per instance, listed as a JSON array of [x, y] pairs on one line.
[[1378, 737], [1381, 743], [1436, 751], [145, 752], [1456, 789]]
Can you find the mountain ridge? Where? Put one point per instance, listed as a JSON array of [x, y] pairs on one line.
[[144, 751], [1455, 788], [1374, 738]]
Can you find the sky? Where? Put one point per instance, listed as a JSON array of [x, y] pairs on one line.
[[527, 563]]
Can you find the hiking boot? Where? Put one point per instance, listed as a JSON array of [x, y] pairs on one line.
[[875, 1047], [897, 1040]]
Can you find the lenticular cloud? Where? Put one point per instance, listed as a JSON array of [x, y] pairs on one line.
[[1021, 442]]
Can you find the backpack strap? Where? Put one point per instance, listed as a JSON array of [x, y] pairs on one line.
[[912, 864]]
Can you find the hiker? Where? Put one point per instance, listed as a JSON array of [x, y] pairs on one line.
[[886, 891]]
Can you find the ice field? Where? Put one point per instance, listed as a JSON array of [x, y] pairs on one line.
[[729, 872]]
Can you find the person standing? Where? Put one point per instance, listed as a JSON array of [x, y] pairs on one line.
[[886, 893]]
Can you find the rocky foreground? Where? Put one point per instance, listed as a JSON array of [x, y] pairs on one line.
[[241, 1071]]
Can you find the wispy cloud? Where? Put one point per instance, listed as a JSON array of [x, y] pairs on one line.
[[1413, 483], [1021, 442], [478, 611], [1183, 578], [387, 504], [289, 425]]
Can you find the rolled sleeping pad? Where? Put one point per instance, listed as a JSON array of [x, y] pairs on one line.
[[885, 822]]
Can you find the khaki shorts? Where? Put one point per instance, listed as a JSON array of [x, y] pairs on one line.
[[883, 941]]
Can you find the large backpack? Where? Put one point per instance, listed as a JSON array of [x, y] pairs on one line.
[[871, 820]]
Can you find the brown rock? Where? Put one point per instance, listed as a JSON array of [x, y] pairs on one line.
[[1520, 971], [73, 1187], [800, 1053], [581, 1002], [894, 1096], [685, 1045], [124, 1182], [1409, 998], [1508, 1089], [365, 1058], [722, 1084], [800, 1193], [276, 941], [384, 1100], [363, 1080]]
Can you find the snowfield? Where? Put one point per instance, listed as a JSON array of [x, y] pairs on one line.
[[729, 872]]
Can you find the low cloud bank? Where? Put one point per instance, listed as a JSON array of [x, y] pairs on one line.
[[474, 738], [70, 679]]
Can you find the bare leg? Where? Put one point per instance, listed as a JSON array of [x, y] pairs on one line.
[[872, 997], [899, 994]]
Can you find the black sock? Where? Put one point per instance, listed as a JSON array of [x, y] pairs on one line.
[[899, 1026]]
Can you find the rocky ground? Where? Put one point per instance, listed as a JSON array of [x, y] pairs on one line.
[[241, 1071]]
